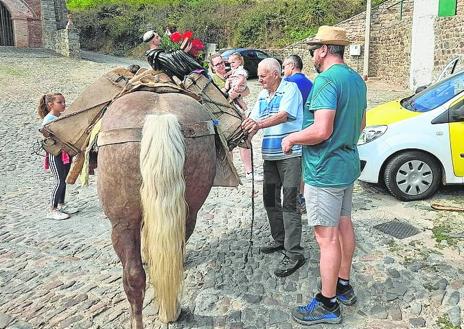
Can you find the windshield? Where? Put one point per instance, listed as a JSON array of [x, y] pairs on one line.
[[436, 95]]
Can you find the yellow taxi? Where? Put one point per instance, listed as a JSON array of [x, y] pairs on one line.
[[415, 144]]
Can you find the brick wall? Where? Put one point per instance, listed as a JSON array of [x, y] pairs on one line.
[[25, 15], [34, 25], [41, 23]]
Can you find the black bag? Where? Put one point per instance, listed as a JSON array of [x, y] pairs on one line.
[[177, 63]]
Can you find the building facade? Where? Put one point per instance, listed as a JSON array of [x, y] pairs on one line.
[[38, 23]]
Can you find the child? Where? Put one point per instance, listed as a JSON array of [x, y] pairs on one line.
[[237, 80], [50, 108]]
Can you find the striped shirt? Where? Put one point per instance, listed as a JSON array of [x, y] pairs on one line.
[[286, 98]]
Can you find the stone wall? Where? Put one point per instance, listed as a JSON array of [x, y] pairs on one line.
[[55, 35], [449, 40], [67, 42], [389, 48], [390, 41]]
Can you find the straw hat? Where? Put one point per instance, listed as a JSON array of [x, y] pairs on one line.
[[329, 35]]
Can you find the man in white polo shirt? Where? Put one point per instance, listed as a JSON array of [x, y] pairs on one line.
[[279, 112]]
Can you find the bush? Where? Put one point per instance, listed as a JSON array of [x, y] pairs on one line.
[[116, 26]]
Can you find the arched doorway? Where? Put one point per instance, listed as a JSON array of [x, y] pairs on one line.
[[6, 27]]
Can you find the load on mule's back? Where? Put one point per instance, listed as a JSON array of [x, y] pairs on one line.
[[161, 148]]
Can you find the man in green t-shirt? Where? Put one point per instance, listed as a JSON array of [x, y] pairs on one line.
[[334, 117]]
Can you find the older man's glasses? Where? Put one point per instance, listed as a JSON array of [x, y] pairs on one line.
[[218, 64], [311, 51]]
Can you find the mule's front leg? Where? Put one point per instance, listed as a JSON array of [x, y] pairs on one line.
[[126, 243]]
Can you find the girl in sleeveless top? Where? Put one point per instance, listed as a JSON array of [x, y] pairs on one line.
[[50, 108]]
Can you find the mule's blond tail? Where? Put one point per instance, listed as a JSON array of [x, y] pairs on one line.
[[162, 157]]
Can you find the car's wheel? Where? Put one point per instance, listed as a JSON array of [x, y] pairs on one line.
[[412, 176]]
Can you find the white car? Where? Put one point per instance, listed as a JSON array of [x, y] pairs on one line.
[[415, 144]]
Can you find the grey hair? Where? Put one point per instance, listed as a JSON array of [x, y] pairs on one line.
[[336, 50], [296, 60], [271, 64]]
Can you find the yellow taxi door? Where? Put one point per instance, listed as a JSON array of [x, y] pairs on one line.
[[456, 132]]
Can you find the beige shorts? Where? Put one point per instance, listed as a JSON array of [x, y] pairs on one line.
[[325, 205]]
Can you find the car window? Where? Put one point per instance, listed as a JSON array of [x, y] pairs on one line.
[[261, 55], [456, 111], [249, 54], [436, 95]]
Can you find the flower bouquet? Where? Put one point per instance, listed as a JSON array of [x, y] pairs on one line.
[[177, 54]]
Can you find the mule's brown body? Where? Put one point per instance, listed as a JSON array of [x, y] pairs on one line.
[[119, 180]]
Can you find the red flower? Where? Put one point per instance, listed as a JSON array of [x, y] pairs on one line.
[[187, 35], [197, 44], [194, 52], [176, 37]]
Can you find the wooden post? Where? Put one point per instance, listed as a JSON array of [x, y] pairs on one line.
[[367, 39]]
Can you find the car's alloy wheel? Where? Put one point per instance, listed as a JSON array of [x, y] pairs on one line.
[[412, 176]]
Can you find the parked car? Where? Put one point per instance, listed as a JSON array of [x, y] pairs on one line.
[[252, 57], [415, 144]]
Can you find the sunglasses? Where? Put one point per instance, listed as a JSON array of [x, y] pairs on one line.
[[217, 64], [311, 51]]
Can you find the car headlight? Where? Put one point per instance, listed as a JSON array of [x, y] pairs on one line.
[[371, 133]]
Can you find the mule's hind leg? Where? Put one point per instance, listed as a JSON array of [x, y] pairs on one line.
[[126, 243], [118, 188]]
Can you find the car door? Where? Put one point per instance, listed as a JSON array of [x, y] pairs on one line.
[[449, 69], [251, 62], [456, 133]]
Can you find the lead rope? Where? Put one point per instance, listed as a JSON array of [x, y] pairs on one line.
[[250, 241]]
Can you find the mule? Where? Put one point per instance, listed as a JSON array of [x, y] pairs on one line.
[[151, 190]]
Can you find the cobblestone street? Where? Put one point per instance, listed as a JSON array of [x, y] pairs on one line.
[[65, 274]]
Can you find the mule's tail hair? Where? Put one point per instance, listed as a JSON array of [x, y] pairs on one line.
[[162, 157]]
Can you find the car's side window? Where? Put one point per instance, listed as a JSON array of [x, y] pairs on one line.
[[250, 54], [456, 111], [261, 55]]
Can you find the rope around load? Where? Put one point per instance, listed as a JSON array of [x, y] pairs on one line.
[[250, 241]]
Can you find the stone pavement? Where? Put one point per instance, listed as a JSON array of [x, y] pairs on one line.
[[64, 274]]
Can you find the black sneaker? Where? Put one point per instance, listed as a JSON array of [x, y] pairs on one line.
[[347, 297], [287, 266], [272, 247]]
